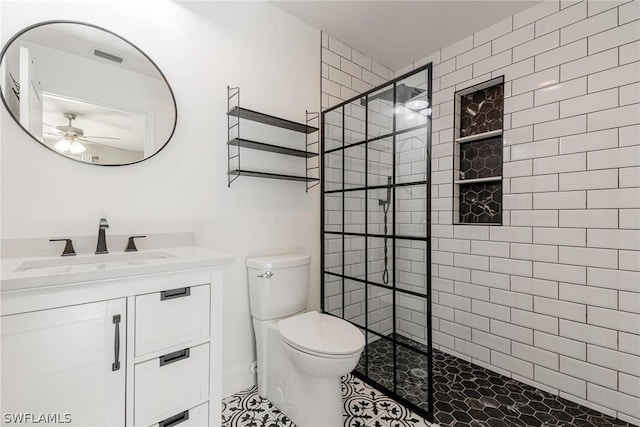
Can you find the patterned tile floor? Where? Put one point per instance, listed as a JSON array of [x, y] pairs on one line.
[[363, 406], [468, 395]]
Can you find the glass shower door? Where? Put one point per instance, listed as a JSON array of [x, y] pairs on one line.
[[376, 232]]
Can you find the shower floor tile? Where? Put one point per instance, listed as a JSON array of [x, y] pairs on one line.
[[468, 395], [363, 406]]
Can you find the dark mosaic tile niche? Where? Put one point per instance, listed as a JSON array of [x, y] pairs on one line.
[[481, 203], [481, 111], [481, 159], [468, 395]]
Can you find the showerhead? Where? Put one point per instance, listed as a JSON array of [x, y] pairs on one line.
[[403, 94]]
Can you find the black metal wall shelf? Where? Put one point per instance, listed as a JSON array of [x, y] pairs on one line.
[[267, 119], [235, 143], [255, 145], [244, 172]]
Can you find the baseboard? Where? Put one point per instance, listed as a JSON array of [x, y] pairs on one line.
[[237, 380]]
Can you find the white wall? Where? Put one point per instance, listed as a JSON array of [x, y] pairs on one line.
[[552, 297], [201, 48]]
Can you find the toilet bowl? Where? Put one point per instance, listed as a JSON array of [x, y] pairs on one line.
[[301, 355], [321, 345]]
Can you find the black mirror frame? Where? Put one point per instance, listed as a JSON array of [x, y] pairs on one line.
[[43, 23]]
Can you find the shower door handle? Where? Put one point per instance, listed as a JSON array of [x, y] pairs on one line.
[[266, 275]]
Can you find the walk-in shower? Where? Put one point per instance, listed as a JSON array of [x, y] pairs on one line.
[[376, 263], [376, 231]]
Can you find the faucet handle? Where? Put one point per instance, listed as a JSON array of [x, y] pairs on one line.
[[131, 244], [68, 247]]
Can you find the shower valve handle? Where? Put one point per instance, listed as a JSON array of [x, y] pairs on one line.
[[266, 275]]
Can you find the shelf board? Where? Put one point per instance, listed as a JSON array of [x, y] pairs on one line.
[[479, 180], [267, 119], [479, 136], [255, 145], [243, 172]]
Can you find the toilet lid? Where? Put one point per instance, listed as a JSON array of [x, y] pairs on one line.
[[321, 334]]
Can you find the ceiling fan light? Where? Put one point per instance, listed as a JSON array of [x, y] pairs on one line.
[[77, 148], [63, 145]]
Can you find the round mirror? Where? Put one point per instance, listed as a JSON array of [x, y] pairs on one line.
[[86, 93]]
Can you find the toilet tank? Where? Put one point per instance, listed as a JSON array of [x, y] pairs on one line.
[[285, 292]]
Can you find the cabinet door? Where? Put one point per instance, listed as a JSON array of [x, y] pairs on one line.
[[59, 364]]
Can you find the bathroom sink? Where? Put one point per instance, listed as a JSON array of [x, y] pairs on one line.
[[21, 273], [91, 262]]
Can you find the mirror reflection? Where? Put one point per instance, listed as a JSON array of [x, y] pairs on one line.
[[86, 93]]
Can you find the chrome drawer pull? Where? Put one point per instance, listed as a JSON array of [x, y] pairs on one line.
[[176, 356], [175, 293], [174, 420]]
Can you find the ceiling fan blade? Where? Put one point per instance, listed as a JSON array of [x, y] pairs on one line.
[[99, 143], [51, 126], [102, 137]]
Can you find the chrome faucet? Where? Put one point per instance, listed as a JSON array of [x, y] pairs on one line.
[[101, 248]]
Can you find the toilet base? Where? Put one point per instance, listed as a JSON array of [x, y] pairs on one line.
[[307, 401]]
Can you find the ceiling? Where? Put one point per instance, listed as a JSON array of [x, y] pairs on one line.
[[82, 40], [396, 33]]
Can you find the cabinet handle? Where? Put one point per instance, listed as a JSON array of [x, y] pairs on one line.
[[174, 357], [175, 293], [116, 344], [174, 420]]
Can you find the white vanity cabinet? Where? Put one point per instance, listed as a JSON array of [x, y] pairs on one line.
[[67, 362], [60, 345], [172, 369]]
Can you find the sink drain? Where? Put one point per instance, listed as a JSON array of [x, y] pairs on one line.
[[420, 373]]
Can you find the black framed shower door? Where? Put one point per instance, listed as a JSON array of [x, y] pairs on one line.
[[376, 232]]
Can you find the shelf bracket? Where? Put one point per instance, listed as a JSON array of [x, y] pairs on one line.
[[313, 120], [233, 98]]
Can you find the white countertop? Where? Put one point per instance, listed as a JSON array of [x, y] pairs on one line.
[[114, 265]]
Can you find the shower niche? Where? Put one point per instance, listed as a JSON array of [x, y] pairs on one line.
[[478, 148], [376, 264]]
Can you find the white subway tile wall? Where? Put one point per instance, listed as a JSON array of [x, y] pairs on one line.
[[553, 296]]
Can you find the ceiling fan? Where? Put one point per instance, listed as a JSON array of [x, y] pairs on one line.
[[71, 137]]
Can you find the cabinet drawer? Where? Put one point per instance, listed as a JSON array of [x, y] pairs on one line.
[[194, 417], [171, 317], [166, 385]]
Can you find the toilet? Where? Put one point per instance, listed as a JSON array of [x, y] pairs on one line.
[[301, 355]]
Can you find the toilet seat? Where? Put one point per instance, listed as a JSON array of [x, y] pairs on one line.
[[321, 335]]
